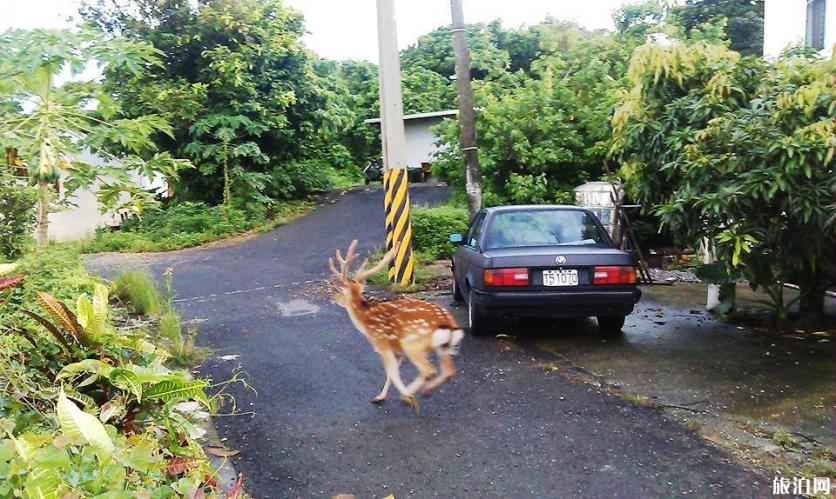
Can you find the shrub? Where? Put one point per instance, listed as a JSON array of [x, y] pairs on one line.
[[92, 405], [300, 178], [171, 327], [431, 228], [138, 289], [17, 216]]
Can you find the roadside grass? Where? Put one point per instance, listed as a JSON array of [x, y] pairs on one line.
[[187, 225], [138, 290], [425, 274]]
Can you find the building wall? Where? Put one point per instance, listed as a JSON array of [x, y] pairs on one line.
[[420, 142], [82, 220], [785, 24]]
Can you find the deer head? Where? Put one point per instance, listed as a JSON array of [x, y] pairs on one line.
[[350, 288]]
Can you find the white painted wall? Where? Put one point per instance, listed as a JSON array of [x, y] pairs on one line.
[[420, 142], [82, 220], [785, 24]]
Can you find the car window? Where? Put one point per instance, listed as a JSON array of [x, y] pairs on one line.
[[475, 230], [514, 229]]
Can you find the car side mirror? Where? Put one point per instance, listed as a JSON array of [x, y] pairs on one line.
[[456, 238]]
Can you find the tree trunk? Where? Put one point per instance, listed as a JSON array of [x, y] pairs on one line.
[[42, 232], [811, 302]]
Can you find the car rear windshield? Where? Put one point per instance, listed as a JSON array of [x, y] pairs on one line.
[[515, 229]]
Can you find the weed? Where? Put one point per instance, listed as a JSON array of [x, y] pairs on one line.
[[171, 327], [138, 289], [185, 353], [783, 439]]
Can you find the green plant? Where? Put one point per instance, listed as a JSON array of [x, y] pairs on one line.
[[185, 352], [50, 124], [138, 289], [431, 229], [87, 408], [17, 215], [738, 151], [171, 326]]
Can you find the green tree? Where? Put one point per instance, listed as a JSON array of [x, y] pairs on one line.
[[52, 123], [236, 82], [743, 19], [542, 134], [740, 152]]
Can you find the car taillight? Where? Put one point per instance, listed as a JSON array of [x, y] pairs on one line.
[[614, 275], [506, 277]]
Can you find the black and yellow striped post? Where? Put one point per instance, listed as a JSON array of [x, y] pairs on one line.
[[399, 226]]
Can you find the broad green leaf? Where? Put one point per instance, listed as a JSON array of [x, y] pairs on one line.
[[85, 311], [78, 424], [176, 390], [94, 366], [127, 380], [100, 307]]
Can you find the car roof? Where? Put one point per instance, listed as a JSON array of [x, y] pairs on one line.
[[532, 207]]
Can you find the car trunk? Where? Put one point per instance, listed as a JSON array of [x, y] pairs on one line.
[[540, 259]]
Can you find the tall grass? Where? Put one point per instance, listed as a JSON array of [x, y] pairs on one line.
[[138, 290]]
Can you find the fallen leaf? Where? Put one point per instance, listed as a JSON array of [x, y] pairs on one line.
[[178, 465], [221, 452]]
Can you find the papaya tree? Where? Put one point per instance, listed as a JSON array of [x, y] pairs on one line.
[[738, 151], [54, 117]]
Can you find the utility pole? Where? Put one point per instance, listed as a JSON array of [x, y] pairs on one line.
[[395, 175], [467, 117]]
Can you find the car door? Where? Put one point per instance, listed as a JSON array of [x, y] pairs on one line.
[[466, 260]]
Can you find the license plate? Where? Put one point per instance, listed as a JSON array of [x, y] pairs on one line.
[[560, 277]]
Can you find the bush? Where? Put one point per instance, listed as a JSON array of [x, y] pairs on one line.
[[138, 289], [89, 401], [17, 216], [300, 178], [187, 224], [431, 229]]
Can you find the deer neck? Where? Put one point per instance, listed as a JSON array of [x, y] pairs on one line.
[[357, 310]]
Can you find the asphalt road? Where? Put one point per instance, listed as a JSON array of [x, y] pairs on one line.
[[505, 428]]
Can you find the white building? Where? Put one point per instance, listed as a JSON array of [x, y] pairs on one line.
[[420, 141], [85, 216], [795, 22]]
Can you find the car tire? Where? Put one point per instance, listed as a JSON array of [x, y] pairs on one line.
[[479, 325], [457, 293], [611, 325]]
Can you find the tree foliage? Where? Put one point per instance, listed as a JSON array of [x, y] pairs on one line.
[[236, 83], [544, 132], [49, 124], [738, 151]]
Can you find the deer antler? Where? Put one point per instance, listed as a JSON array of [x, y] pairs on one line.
[[362, 274], [342, 275]]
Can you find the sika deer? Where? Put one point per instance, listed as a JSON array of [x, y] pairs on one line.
[[398, 328]]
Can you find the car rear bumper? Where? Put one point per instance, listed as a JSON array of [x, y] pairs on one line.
[[581, 303]]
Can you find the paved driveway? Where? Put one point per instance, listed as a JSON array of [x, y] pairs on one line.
[[504, 428]]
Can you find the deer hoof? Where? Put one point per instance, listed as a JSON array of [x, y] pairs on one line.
[[427, 392], [378, 400], [413, 403]]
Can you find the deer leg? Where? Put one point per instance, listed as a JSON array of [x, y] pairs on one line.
[[382, 396], [448, 372], [390, 363], [425, 369]]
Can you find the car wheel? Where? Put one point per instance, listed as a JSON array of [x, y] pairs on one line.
[[479, 325], [610, 325], [457, 293]]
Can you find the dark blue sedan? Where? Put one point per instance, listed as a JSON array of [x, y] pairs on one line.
[[542, 261]]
